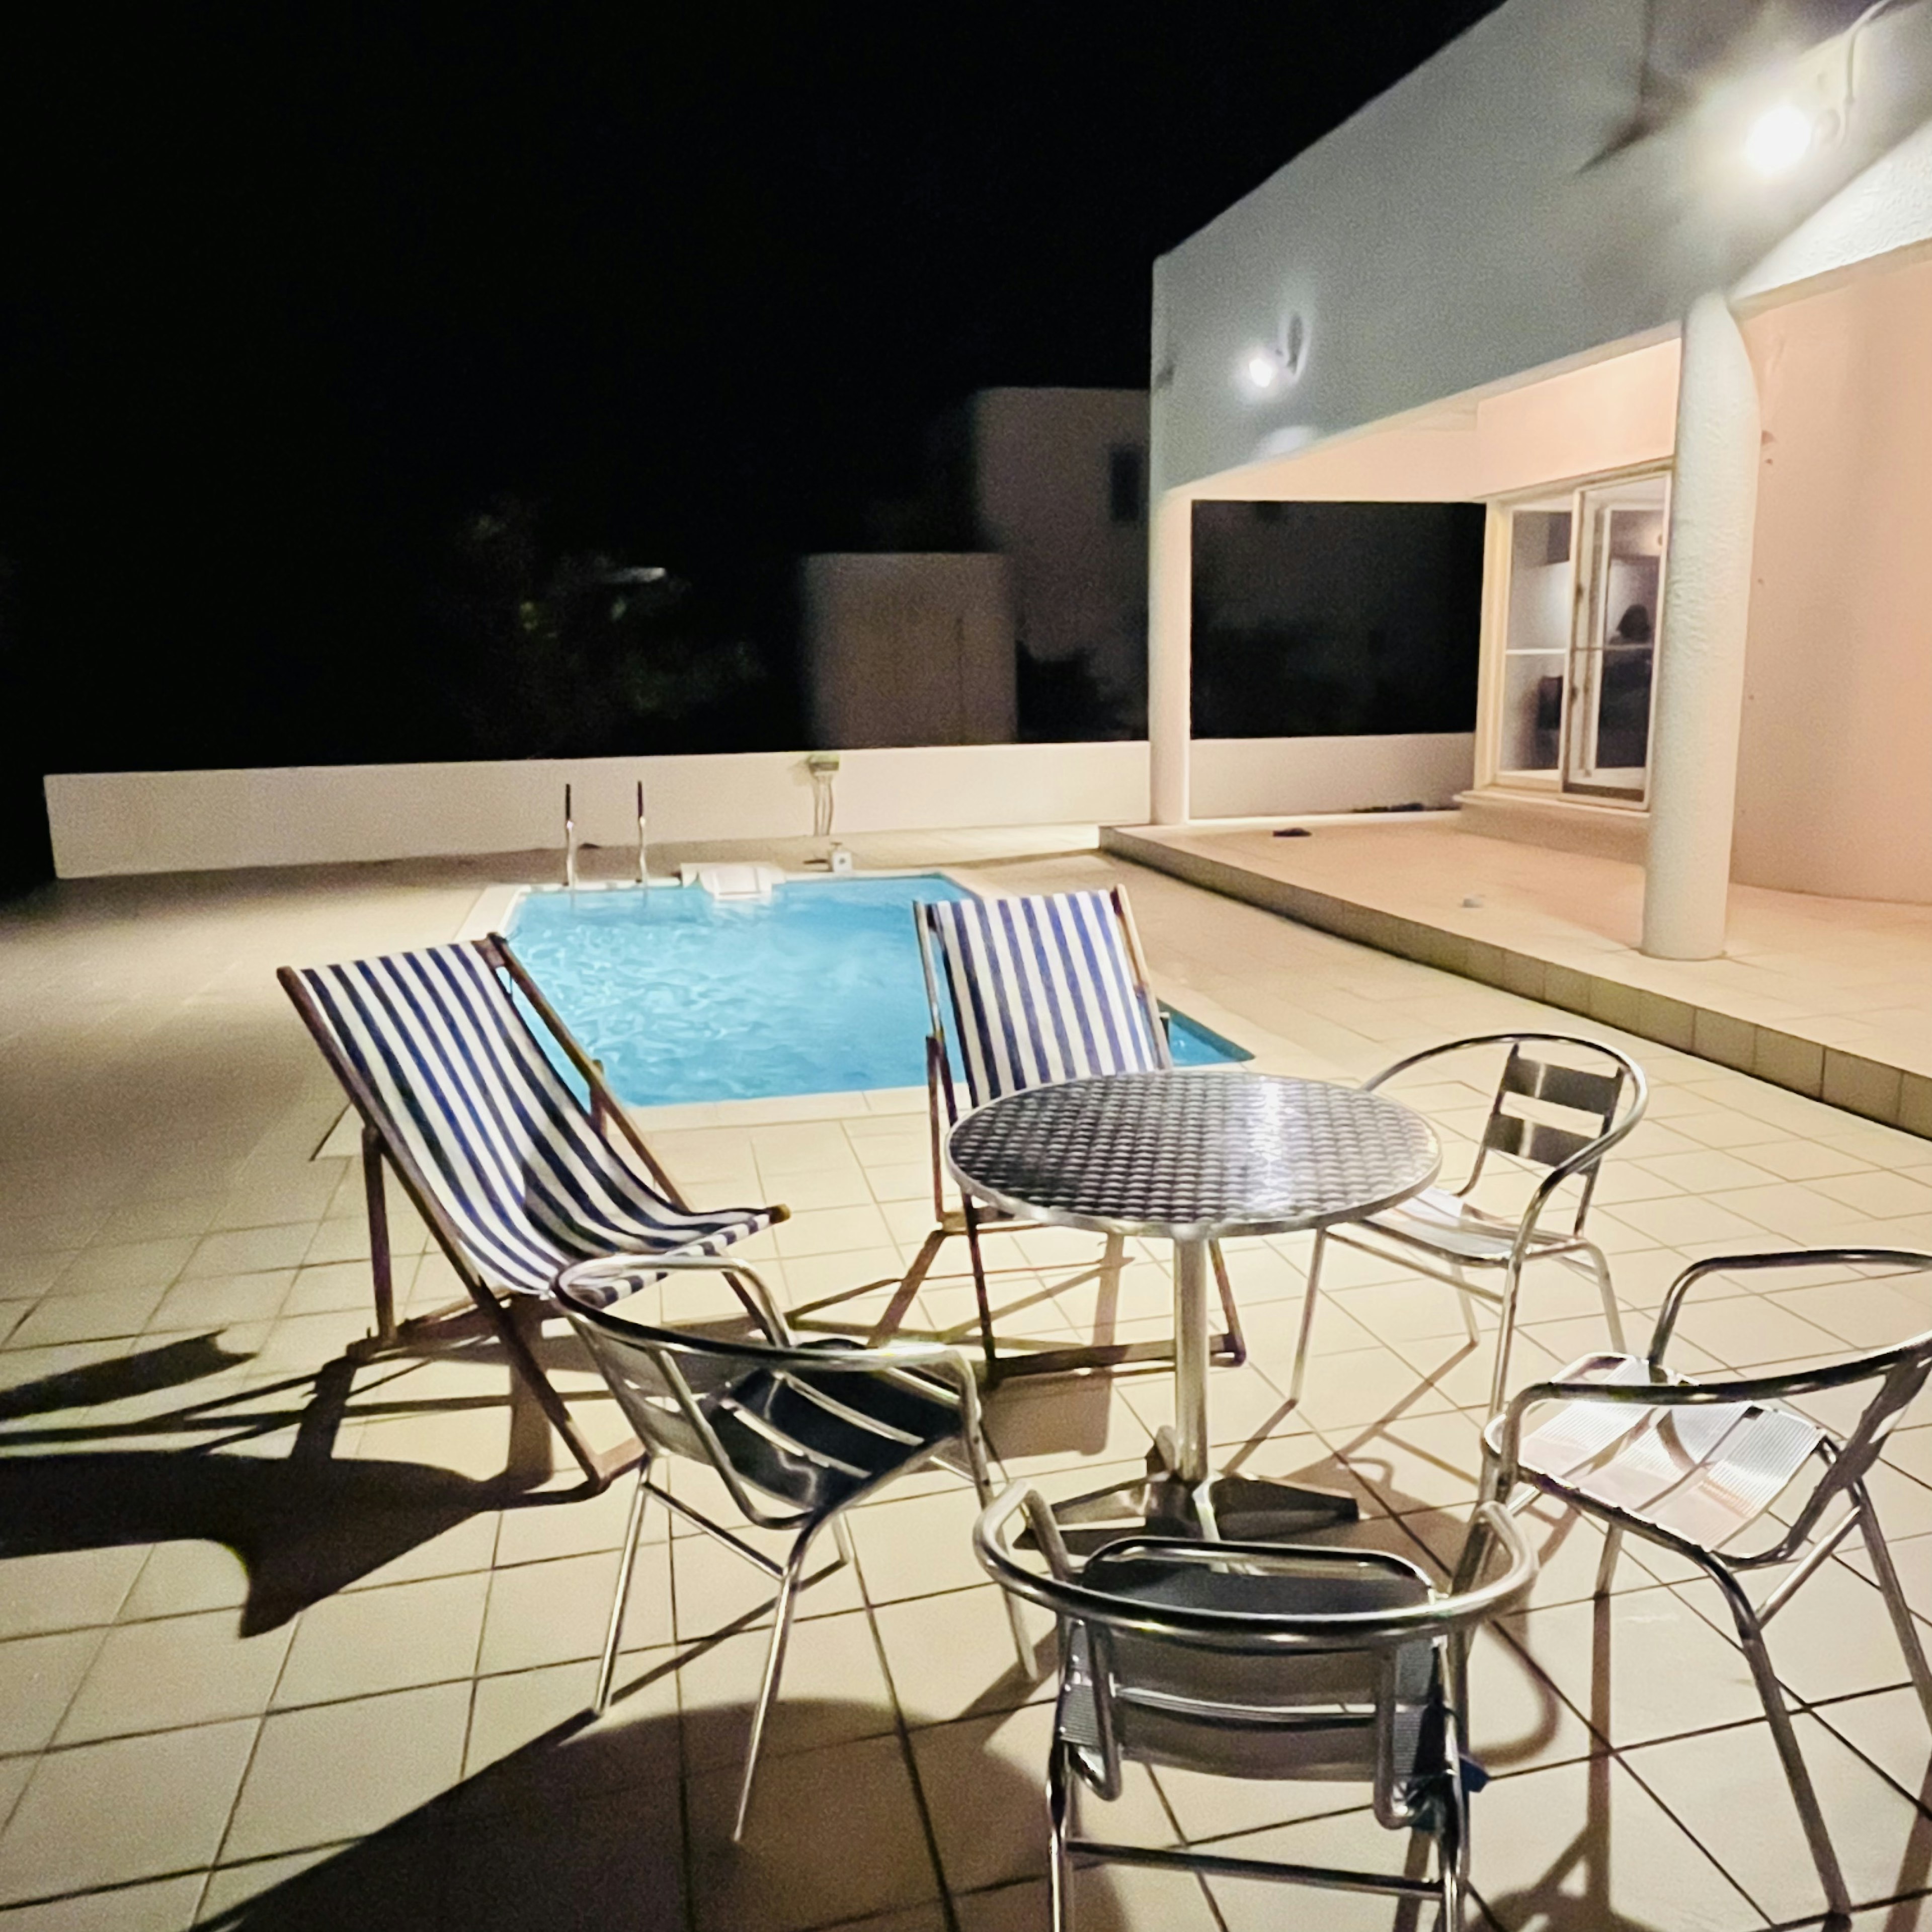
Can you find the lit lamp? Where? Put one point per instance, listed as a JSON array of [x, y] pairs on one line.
[[1780, 138], [1265, 369]]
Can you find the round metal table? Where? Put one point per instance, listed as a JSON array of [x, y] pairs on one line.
[[1192, 1156]]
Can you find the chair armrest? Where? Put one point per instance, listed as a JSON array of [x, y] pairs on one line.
[[1064, 1595], [1760, 1390], [783, 1351], [1848, 1258], [763, 1307]]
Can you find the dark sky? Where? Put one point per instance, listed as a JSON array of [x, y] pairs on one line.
[[289, 291]]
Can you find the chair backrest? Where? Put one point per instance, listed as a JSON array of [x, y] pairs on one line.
[[812, 1426], [432, 1046], [1594, 1105], [1040, 989], [1250, 1659]]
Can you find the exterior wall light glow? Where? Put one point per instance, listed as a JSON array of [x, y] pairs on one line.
[[1780, 138], [1265, 369]]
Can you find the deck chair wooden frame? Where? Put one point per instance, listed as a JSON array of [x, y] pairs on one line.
[[514, 1315]]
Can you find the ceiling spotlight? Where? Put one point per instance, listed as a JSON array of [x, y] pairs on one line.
[[1263, 370], [1779, 139]]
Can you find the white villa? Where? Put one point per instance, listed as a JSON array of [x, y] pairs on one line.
[[305, 1624]]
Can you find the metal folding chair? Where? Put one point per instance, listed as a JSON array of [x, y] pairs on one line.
[[1551, 1114], [1039, 989], [796, 1434], [515, 1176], [1691, 1465], [1255, 1661]]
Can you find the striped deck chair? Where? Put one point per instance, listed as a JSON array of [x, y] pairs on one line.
[[1039, 989], [516, 1177]]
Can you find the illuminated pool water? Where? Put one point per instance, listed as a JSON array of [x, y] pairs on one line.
[[685, 997]]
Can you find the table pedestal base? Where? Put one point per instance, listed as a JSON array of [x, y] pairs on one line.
[[1233, 1509]]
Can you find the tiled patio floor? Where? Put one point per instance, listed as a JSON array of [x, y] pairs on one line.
[[1830, 997], [281, 1646]]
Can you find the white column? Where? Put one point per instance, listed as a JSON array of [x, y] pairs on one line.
[[1700, 670], [1170, 655]]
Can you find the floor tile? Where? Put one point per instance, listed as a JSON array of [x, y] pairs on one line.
[[367, 1641], [163, 1905], [1118, 1898], [548, 1711], [713, 1586], [913, 1548], [953, 1656], [341, 1771], [38, 1677], [790, 1872], [1351, 1840], [1889, 1728], [1639, 1666], [556, 1611], [1586, 1845], [983, 1780], [176, 1671], [154, 1805], [1416, 1461], [1728, 1790], [832, 1691], [66, 1589]]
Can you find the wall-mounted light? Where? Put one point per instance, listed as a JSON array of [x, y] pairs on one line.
[[1262, 370], [1780, 138], [1269, 368]]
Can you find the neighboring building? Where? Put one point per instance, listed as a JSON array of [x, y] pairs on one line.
[[907, 648], [1058, 483], [1027, 547], [1651, 280]]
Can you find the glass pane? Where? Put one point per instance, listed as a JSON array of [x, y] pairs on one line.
[[1633, 568], [1536, 642], [1532, 719]]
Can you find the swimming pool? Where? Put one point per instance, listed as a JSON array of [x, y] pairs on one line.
[[817, 990]]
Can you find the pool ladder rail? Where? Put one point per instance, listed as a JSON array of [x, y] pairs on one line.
[[570, 840]]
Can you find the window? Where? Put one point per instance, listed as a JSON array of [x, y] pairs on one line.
[[1570, 699]]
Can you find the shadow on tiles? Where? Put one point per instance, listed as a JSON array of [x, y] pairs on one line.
[[585, 1828], [305, 1524]]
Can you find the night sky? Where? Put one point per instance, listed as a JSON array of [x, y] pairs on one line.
[[289, 293]]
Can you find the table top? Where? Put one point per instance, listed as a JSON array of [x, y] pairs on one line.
[[1193, 1154]]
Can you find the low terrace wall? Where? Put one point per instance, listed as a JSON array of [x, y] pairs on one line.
[[116, 822]]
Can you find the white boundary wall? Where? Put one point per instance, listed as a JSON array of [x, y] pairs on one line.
[[115, 822]]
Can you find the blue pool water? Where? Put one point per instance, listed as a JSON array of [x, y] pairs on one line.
[[683, 996]]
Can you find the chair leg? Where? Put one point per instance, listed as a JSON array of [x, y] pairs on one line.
[[627, 1565], [1299, 1372], [1060, 1871], [1797, 1774], [1613, 1315], [972, 1220], [768, 1690], [889, 1323], [1505, 1339], [1107, 1302], [1230, 1313], [381, 1266], [597, 1470], [1452, 1838], [1903, 1621], [1606, 1563]]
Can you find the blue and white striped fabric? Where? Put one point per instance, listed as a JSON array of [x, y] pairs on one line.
[[1042, 989], [509, 1150]]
